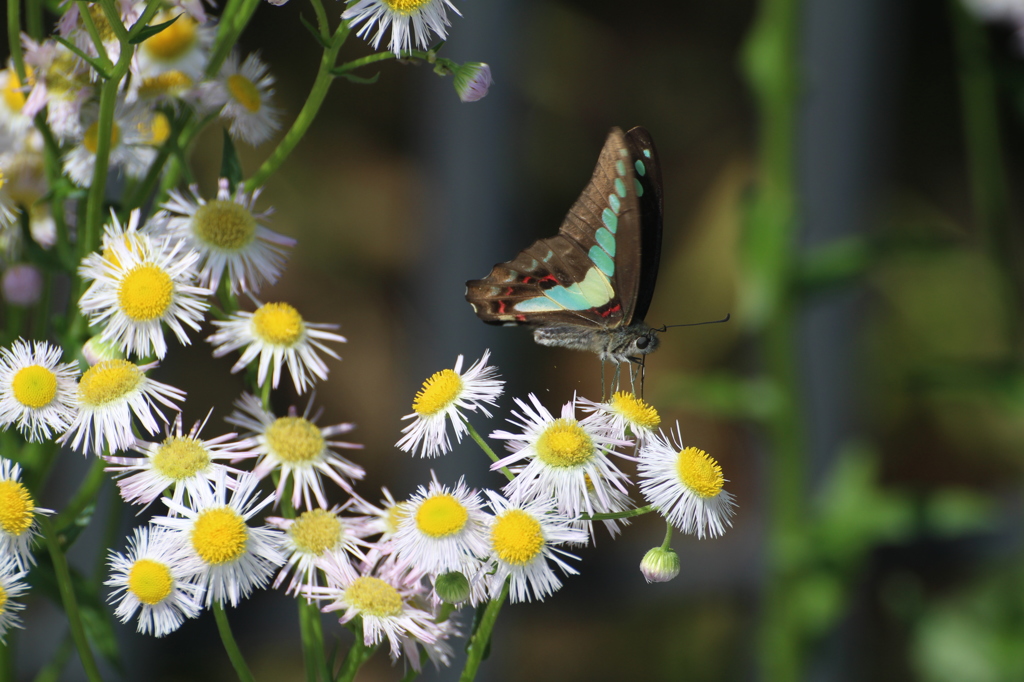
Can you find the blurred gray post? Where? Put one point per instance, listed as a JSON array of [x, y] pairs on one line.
[[850, 63]]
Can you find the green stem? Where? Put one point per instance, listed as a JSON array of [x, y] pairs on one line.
[[84, 496], [990, 192], [478, 643], [230, 645], [90, 27], [68, 599], [321, 19], [14, 37], [667, 544], [233, 21], [323, 81], [265, 393], [771, 59], [385, 56], [356, 657], [34, 19], [312, 641], [627, 514], [485, 447]]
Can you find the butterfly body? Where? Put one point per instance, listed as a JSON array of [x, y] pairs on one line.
[[589, 286]]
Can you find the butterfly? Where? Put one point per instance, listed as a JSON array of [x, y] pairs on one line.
[[589, 286]]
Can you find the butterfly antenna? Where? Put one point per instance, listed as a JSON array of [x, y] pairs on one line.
[[666, 327]]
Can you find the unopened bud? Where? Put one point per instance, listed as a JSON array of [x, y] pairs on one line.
[[452, 588], [472, 80], [96, 350], [22, 285], [660, 565]]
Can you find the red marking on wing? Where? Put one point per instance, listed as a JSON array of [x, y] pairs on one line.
[[526, 279], [549, 278], [508, 292], [615, 308], [501, 307], [521, 318]]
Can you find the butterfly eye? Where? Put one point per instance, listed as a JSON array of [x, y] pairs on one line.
[[643, 342]]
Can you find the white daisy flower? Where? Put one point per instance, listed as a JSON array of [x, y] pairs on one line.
[[439, 651], [444, 528], [109, 393], [313, 536], [12, 586], [296, 446], [385, 519], [523, 539], [566, 459], [37, 390], [382, 598], [184, 462], [130, 151], [138, 291], [182, 48], [627, 411], [411, 21], [685, 485], [18, 525], [71, 26], [244, 93], [228, 235], [276, 334], [13, 95], [61, 84], [234, 556], [127, 236], [156, 578], [441, 399]]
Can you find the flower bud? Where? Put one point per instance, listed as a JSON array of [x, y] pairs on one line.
[[452, 588], [660, 565], [472, 80], [96, 350], [22, 285]]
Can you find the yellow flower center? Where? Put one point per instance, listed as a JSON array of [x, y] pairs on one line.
[[406, 7], [440, 516], [438, 392], [34, 386], [145, 293], [220, 535], [157, 130], [14, 96], [374, 597], [150, 581], [244, 92], [108, 381], [316, 531], [564, 444], [181, 458], [169, 82], [516, 537], [91, 141], [396, 513], [278, 324], [16, 505], [224, 225], [174, 41], [295, 440], [62, 78], [3, 599], [699, 472], [635, 411], [131, 240]]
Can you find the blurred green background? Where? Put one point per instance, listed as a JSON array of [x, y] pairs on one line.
[[839, 176]]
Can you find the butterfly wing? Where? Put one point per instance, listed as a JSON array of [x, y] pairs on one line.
[[592, 272]]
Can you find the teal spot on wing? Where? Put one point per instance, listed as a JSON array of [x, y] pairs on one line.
[[641, 169], [638, 187], [620, 167], [602, 260], [548, 256], [538, 304], [592, 292], [606, 239], [613, 201], [620, 188], [610, 220], [647, 153]]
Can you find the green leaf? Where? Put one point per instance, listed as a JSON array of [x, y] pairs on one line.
[[230, 166], [359, 79], [316, 34], [151, 31]]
